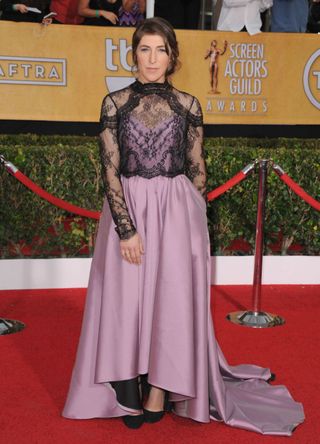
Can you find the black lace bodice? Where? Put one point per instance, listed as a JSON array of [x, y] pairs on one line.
[[148, 130]]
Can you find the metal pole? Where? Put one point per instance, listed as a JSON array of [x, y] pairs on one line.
[[8, 326], [202, 14], [258, 255], [150, 8], [256, 318]]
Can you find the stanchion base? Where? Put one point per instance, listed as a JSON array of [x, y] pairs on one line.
[[8, 326], [255, 319]]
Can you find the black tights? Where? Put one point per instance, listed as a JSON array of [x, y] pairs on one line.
[[128, 391]]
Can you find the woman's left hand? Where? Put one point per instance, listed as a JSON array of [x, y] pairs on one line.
[[132, 249]]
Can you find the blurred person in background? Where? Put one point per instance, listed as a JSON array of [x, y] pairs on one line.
[[182, 14], [289, 15], [132, 12], [67, 12], [238, 15], [314, 16], [100, 12], [19, 11]]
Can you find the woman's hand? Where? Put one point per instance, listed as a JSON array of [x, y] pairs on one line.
[[85, 11], [109, 16], [20, 8], [132, 249]]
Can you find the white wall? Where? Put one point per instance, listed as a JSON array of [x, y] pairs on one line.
[[18, 274]]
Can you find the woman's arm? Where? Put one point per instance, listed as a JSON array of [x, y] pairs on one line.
[[195, 158], [85, 11], [110, 159], [10, 5]]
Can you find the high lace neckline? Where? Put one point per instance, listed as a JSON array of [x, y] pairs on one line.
[[151, 87]]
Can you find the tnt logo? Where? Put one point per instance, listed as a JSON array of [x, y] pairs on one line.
[[117, 56], [311, 79]]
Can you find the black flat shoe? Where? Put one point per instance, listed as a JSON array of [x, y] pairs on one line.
[[133, 421], [272, 377], [152, 417]]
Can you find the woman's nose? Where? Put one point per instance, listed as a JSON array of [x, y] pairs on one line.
[[153, 56]]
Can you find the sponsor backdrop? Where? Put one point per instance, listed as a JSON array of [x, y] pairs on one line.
[[62, 73]]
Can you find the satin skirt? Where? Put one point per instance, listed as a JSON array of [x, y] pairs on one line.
[[155, 319]]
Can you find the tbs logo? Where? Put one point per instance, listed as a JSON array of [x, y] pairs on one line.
[[116, 59]]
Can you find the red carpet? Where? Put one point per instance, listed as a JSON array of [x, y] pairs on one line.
[[36, 366]]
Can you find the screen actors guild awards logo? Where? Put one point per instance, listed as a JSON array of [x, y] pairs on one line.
[[311, 79]]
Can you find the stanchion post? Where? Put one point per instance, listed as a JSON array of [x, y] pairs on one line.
[[8, 326], [258, 254], [255, 317]]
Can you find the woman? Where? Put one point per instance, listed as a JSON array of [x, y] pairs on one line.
[[67, 12], [100, 12], [147, 313], [132, 12]]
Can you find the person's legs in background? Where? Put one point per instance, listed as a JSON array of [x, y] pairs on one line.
[[191, 14], [172, 11], [289, 15]]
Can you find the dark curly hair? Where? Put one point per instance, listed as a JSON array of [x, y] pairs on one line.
[[158, 26]]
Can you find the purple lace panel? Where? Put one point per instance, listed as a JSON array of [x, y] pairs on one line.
[[149, 130]]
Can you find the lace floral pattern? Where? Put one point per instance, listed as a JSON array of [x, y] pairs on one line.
[[149, 130]]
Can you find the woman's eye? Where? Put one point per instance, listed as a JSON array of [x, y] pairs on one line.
[[143, 49], [163, 50]]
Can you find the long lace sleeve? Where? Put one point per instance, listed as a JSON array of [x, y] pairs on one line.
[[195, 157], [110, 159]]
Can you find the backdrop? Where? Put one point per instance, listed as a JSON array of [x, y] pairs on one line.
[[62, 73]]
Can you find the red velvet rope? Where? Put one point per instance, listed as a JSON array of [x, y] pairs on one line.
[[299, 191], [226, 186], [95, 214], [54, 200]]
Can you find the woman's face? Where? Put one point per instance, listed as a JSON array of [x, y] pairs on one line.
[[152, 59]]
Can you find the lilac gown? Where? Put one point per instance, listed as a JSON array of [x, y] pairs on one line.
[[154, 318]]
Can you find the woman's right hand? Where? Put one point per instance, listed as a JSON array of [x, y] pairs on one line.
[[110, 16], [132, 249], [20, 8]]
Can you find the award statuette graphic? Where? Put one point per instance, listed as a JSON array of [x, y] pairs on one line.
[[213, 54]]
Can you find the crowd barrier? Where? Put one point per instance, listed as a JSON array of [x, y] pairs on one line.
[[251, 318]]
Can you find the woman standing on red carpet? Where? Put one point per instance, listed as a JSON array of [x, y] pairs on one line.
[[147, 316]]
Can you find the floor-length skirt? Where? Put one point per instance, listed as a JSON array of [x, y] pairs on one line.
[[155, 319]]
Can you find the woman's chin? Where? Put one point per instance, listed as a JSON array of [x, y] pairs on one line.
[[152, 78]]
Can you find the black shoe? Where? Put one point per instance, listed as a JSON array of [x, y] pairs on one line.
[[272, 377], [133, 421], [152, 417]]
